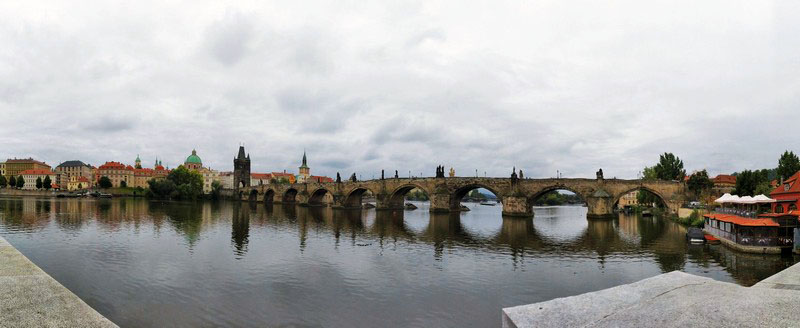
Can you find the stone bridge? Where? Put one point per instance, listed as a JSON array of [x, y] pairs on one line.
[[516, 195]]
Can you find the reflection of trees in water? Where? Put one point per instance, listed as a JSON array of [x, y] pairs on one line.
[[186, 218]]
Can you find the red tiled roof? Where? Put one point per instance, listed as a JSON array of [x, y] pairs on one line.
[[281, 174], [37, 172], [112, 166], [321, 178], [25, 160], [738, 220], [143, 172], [266, 176], [82, 179], [793, 186], [724, 178]]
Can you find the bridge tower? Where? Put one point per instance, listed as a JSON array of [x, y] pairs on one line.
[[241, 170]]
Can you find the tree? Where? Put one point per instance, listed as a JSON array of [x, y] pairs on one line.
[[105, 183], [763, 188], [3, 181], [12, 181], [123, 184], [47, 183], [80, 186], [788, 165], [181, 183], [699, 182], [39, 183], [649, 173], [20, 182], [646, 198], [216, 189], [669, 167]]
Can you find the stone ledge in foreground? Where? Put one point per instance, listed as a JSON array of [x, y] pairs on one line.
[[674, 299], [29, 297]]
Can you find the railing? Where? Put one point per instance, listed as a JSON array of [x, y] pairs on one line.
[[737, 212]]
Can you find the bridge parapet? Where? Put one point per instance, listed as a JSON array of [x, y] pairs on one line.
[[517, 196]]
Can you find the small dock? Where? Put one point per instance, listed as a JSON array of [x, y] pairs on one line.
[[29, 297], [674, 299]]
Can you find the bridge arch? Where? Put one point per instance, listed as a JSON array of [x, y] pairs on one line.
[[289, 196], [354, 198], [397, 197], [318, 197], [544, 191], [269, 196], [644, 188], [460, 192], [253, 195]]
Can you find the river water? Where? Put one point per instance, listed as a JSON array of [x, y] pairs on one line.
[[173, 264]]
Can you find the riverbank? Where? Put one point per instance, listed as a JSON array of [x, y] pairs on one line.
[[116, 192], [674, 299], [29, 297]]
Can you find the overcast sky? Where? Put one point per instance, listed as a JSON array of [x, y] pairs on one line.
[[363, 86]]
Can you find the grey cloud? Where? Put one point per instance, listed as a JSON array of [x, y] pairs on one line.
[[551, 87], [228, 39]]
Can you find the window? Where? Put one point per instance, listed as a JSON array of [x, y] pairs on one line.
[[792, 207], [779, 209]]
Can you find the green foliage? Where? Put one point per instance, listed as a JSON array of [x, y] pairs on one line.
[[649, 173], [12, 181], [554, 198], [80, 186], [669, 167], [694, 219], [788, 164], [417, 194], [20, 182], [763, 188], [123, 184], [104, 183], [216, 189], [39, 183], [3, 182], [699, 182], [47, 183], [475, 194], [748, 181], [646, 198], [181, 183]]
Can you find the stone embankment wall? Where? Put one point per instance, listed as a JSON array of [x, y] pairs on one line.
[[29, 297]]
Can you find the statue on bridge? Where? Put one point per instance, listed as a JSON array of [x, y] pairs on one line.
[[440, 171], [338, 178], [381, 174], [520, 174], [514, 175], [396, 176], [353, 177], [600, 174], [452, 172]]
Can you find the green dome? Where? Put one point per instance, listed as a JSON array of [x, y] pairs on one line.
[[193, 158]]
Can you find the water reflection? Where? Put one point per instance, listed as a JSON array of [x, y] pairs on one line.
[[369, 258]]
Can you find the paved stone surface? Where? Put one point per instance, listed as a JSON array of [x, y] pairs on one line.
[[786, 279], [29, 297], [674, 299]]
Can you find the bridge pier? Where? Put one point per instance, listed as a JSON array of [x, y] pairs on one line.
[[517, 206], [600, 205], [440, 203]]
